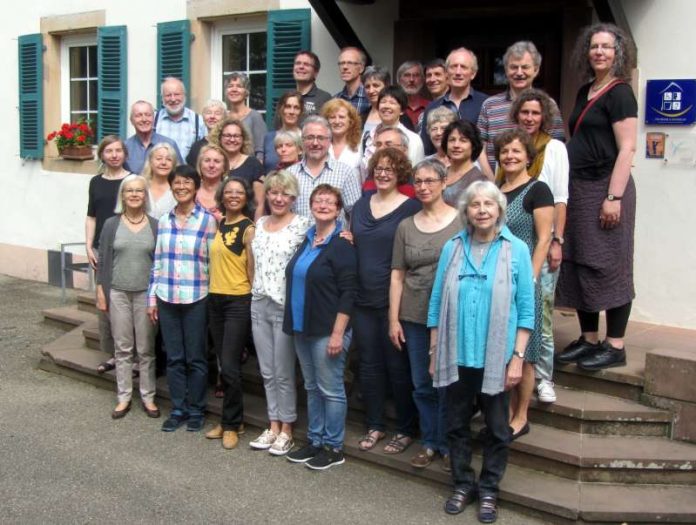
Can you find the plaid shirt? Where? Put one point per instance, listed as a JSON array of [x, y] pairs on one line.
[[180, 269], [182, 131], [339, 175], [359, 99]]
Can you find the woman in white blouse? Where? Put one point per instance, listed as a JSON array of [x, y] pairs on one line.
[[345, 131]]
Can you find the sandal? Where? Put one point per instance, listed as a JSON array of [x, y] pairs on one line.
[[105, 366], [398, 444], [369, 440], [458, 501]]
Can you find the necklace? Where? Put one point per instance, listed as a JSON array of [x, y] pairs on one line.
[[596, 87], [142, 218]]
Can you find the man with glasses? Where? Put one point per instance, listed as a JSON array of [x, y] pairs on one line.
[[351, 64], [410, 78], [181, 124], [522, 61], [305, 70], [317, 167]]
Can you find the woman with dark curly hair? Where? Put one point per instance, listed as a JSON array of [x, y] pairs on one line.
[[345, 131], [374, 220], [597, 269], [462, 144]]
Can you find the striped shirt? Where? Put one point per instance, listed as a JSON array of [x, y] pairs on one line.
[[339, 175], [185, 131], [180, 270], [494, 119]]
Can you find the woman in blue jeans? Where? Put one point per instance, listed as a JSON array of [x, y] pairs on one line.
[[417, 246], [321, 285]]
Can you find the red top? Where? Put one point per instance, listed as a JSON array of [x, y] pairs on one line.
[[416, 106]]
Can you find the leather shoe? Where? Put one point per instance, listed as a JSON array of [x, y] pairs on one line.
[[607, 357], [229, 439], [577, 350], [458, 501], [521, 432], [118, 414], [151, 412], [215, 433]]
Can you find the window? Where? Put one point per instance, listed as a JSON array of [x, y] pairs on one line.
[[79, 79], [240, 46]]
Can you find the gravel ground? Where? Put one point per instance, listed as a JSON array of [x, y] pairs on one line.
[[64, 460]]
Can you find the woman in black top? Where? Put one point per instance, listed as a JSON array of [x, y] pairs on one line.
[[597, 268], [321, 282]]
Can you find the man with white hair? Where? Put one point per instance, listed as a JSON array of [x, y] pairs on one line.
[[138, 145], [410, 78], [181, 124]]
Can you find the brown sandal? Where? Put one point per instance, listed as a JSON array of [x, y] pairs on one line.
[[369, 440], [398, 444]]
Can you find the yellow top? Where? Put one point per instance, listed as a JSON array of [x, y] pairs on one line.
[[228, 259]]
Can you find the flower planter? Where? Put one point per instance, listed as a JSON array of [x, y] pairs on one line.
[[77, 153]]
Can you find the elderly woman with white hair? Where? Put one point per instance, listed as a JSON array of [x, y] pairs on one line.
[[126, 249], [480, 316], [237, 91], [436, 124], [161, 161], [213, 112]]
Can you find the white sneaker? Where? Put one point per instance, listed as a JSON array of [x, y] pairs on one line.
[[264, 441], [545, 391], [281, 445]]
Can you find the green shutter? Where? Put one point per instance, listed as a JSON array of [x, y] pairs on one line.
[[289, 31], [31, 130], [113, 80], [173, 53]]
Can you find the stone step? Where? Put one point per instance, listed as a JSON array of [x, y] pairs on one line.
[[554, 496], [87, 302], [67, 317]]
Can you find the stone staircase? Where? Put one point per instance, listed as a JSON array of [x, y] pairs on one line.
[[599, 454]]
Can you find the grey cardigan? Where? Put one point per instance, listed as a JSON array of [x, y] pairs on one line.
[[105, 266]]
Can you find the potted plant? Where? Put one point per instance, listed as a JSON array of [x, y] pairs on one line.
[[74, 140]]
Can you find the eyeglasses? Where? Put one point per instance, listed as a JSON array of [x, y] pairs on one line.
[[386, 171], [602, 47], [231, 136], [325, 202], [348, 63], [138, 191], [425, 182], [312, 138]]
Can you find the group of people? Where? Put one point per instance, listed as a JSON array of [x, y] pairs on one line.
[[335, 238]]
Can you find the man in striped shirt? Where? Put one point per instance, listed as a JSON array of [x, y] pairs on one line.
[[522, 61]]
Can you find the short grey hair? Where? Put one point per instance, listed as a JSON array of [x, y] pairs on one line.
[[282, 179], [317, 119], [132, 108], [518, 49], [408, 65], [433, 165], [120, 205], [288, 136], [441, 114], [381, 128], [214, 103], [474, 60], [487, 189], [172, 79], [378, 72], [239, 77]]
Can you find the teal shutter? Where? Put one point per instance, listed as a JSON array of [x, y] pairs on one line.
[[113, 80], [289, 31], [173, 53], [31, 129]]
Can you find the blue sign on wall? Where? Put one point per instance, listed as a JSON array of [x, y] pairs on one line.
[[670, 102]]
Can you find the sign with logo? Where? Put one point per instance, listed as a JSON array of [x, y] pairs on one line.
[[670, 102]]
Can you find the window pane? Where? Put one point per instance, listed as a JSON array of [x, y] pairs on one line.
[[92, 61], [257, 98], [234, 53], [257, 51], [92, 95], [78, 96], [78, 62]]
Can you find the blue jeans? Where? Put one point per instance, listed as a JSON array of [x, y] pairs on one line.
[[184, 332], [544, 366], [430, 401], [326, 393]]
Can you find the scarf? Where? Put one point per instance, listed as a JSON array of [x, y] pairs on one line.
[[534, 169], [446, 369]]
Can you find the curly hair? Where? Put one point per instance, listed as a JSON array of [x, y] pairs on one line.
[[467, 130], [549, 111], [509, 136], [399, 161], [624, 51], [229, 121], [354, 121]]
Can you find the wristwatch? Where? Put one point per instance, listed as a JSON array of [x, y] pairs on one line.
[[559, 240], [518, 354], [612, 197]]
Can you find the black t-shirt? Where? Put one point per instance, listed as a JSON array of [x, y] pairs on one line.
[[250, 170], [592, 150], [192, 157], [539, 196], [103, 195]]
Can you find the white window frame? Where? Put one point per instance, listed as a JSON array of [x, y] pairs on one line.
[[68, 41], [235, 26]]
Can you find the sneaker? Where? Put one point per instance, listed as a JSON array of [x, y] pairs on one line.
[[545, 391], [281, 445], [303, 454], [195, 424], [326, 458], [173, 422], [264, 441]]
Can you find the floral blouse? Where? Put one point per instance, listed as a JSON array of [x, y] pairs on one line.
[[272, 252]]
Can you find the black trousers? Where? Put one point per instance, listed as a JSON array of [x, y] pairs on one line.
[[461, 400]]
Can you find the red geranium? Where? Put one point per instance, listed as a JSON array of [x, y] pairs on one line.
[[79, 133]]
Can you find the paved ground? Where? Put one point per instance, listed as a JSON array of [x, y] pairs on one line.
[[63, 460]]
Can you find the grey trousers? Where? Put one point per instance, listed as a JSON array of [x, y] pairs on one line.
[[544, 365], [106, 339], [276, 354], [132, 329]]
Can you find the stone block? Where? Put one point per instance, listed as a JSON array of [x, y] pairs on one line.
[[683, 413], [670, 373]]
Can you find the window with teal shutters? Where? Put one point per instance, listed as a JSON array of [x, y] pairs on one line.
[[289, 31], [173, 53], [113, 80], [31, 129]]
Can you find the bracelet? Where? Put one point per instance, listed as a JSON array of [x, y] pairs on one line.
[[432, 349], [518, 354]]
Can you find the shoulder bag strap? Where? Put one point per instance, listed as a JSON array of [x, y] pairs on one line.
[[594, 99]]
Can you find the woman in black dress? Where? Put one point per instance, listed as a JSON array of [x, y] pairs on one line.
[[597, 269]]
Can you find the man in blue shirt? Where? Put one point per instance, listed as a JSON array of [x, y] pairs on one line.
[[462, 67], [351, 64], [142, 116], [181, 124]]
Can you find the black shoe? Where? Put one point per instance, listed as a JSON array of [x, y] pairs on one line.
[[195, 424], [488, 509], [607, 357], [173, 422], [326, 458], [118, 414], [458, 501], [304, 454], [577, 350], [524, 430]]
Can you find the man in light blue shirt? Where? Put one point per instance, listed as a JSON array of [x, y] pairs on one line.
[[181, 124], [142, 116]]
